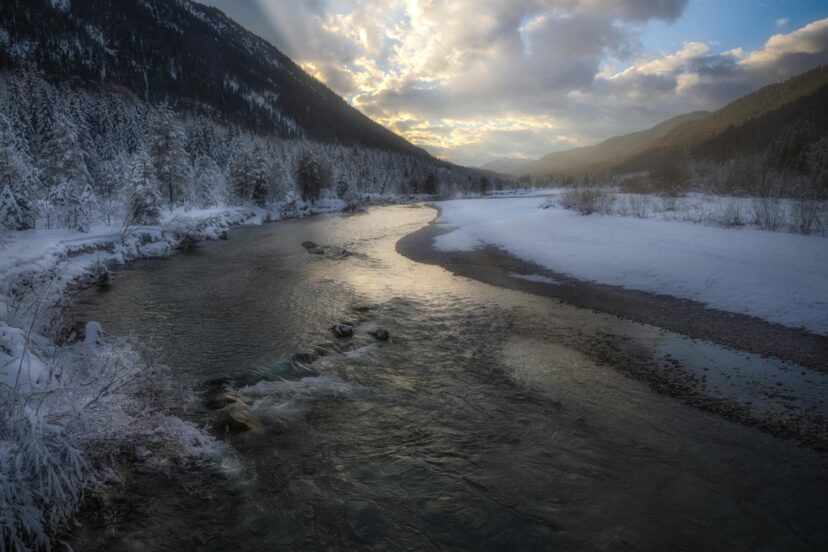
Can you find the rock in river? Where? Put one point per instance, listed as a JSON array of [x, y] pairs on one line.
[[238, 420], [343, 330], [228, 398], [380, 333]]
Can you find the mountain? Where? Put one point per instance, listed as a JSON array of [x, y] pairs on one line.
[[748, 125], [507, 165], [610, 151], [191, 56], [745, 126]]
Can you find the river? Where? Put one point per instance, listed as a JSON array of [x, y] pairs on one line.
[[489, 421]]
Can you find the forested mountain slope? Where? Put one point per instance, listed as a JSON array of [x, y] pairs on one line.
[[781, 122], [186, 54], [111, 110], [608, 152]]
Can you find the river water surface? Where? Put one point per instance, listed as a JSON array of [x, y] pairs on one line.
[[487, 422]]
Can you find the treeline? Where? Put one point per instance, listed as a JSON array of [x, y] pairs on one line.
[[72, 158]]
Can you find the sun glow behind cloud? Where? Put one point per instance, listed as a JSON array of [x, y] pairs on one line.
[[473, 80]]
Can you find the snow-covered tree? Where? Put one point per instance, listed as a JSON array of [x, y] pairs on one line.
[[309, 177], [172, 166], [114, 175], [209, 184], [240, 174], [17, 172], [87, 203], [431, 184], [144, 204], [258, 178], [11, 217], [63, 156]]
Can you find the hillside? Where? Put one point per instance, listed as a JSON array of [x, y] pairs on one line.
[[610, 151], [761, 102], [189, 55], [747, 125], [508, 165]]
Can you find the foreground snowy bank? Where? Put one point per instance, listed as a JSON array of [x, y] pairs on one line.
[[782, 278], [71, 407]]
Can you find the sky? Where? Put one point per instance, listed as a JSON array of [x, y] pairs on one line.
[[477, 80]]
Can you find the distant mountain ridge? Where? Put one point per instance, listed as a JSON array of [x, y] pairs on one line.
[[743, 126], [507, 165], [611, 150], [190, 55], [747, 125]]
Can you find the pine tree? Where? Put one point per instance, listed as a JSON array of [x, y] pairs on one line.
[[87, 203], [209, 184], [144, 205], [430, 185], [258, 178], [309, 178], [240, 163], [65, 173], [17, 172], [172, 167], [11, 216], [63, 156]]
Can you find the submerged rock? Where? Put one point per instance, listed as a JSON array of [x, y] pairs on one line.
[[228, 398], [238, 421], [339, 252], [343, 330], [380, 333], [316, 251], [104, 279]]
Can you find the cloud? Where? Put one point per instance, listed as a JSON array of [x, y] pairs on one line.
[[472, 80], [781, 22], [696, 77]]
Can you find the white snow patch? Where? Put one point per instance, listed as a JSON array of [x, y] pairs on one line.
[[62, 5], [777, 276], [535, 278]]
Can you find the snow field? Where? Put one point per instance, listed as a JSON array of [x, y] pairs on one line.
[[780, 277]]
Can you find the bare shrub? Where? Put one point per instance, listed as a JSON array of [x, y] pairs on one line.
[[638, 206], [767, 213], [731, 215], [668, 203], [588, 201], [807, 211]]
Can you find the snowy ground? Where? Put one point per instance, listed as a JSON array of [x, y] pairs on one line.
[[780, 277]]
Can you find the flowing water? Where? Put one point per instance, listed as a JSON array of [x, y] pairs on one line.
[[486, 422]]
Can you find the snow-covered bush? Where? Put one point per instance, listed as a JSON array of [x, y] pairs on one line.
[[730, 215], [636, 205], [587, 201], [808, 209], [60, 435], [767, 213], [70, 407], [11, 216]]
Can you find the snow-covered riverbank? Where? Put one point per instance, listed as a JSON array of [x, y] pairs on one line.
[[779, 277], [70, 404]]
